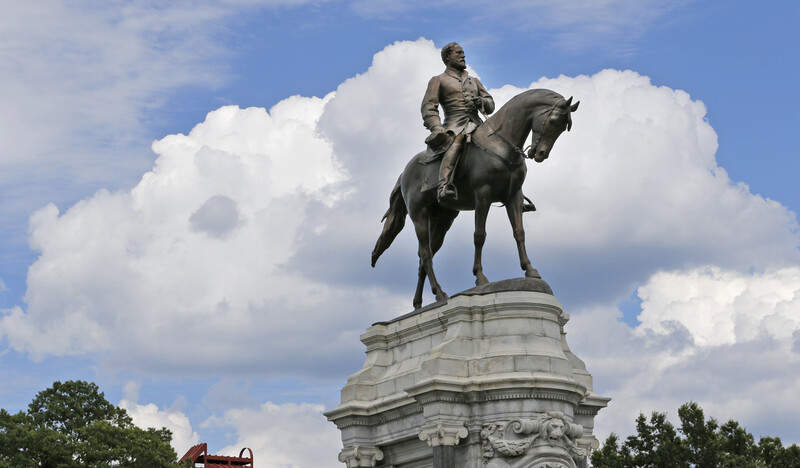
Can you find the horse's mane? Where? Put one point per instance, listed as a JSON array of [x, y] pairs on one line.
[[540, 94]]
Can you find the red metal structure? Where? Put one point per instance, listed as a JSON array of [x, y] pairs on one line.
[[199, 454]]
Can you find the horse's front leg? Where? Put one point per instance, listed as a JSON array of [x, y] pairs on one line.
[[514, 210], [481, 212]]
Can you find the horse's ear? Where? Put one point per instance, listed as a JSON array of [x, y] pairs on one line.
[[569, 101], [574, 107]]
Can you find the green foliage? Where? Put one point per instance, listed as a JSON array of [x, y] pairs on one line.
[[72, 425], [698, 443]]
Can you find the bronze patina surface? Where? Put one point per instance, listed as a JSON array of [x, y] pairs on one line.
[[491, 169]]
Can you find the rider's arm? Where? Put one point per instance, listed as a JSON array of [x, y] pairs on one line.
[[430, 106], [486, 99]]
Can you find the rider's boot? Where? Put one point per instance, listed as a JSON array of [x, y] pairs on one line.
[[447, 191]]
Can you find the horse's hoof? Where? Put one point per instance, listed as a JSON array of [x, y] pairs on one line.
[[442, 296], [481, 280], [532, 273]]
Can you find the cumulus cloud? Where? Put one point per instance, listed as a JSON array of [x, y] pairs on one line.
[[634, 188], [723, 307], [218, 216], [284, 198], [190, 262], [81, 86], [150, 415], [722, 338], [282, 436], [245, 249]]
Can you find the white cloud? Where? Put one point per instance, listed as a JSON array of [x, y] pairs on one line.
[[146, 281], [283, 436], [150, 415], [640, 169], [89, 71], [245, 250], [722, 338], [723, 307], [78, 79], [81, 84], [634, 188]]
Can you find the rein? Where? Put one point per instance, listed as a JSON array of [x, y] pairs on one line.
[[517, 149], [510, 164]]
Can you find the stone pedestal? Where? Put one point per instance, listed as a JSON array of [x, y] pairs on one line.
[[485, 379]]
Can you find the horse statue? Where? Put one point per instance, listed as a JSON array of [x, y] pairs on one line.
[[491, 169]]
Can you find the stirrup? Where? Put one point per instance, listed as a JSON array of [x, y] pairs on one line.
[[447, 192], [528, 205]]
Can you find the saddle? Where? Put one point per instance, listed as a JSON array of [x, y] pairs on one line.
[[432, 159], [436, 145]]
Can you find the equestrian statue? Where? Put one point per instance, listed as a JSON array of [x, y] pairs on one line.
[[470, 164]]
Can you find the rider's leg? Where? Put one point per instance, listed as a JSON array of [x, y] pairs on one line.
[[446, 187]]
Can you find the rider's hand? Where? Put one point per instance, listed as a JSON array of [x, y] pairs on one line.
[[477, 103]]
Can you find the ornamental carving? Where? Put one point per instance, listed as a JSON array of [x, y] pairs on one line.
[[360, 456], [515, 437], [443, 434]]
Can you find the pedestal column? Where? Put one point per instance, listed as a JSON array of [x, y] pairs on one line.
[[360, 456], [443, 438]]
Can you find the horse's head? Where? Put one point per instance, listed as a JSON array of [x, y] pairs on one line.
[[548, 124]]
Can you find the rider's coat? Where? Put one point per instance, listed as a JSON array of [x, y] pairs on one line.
[[455, 92]]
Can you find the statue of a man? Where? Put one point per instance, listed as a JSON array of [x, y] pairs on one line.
[[462, 97]]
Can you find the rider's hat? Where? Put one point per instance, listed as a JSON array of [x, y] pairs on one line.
[[440, 141]]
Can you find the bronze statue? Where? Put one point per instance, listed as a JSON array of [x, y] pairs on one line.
[[492, 169], [461, 97]]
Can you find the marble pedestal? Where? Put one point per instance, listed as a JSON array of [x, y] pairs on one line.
[[485, 379]]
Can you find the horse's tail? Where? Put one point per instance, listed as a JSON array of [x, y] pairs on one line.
[[395, 218]]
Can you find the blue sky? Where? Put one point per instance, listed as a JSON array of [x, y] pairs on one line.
[[223, 272]]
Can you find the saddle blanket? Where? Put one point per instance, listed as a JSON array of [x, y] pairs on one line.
[[432, 162]]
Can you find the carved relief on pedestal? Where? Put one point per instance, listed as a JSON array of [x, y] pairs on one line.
[[518, 437], [360, 456]]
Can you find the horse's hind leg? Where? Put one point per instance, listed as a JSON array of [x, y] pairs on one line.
[[426, 256], [438, 228], [514, 210], [420, 286], [481, 212]]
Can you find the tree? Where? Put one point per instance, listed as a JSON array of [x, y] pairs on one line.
[[698, 443], [72, 425]]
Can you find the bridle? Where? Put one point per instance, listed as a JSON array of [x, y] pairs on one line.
[[520, 151], [538, 135]]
